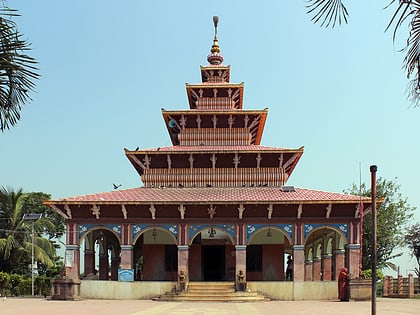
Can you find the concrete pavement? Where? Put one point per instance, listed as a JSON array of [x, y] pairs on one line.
[[40, 306]]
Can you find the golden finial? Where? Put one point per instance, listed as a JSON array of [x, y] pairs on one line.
[[215, 58]]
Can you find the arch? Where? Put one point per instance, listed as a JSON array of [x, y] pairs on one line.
[[153, 228], [95, 228], [312, 228], [284, 229], [208, 227], [266, 229]]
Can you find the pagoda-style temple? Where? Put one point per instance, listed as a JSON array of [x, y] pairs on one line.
[[213, 205]]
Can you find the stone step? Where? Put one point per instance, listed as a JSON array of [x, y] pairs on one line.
[[212, 291]]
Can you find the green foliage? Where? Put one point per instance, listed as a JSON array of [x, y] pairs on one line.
[[412, 237], [43, 285], [393, 214], [17, 69], [16, 233], [367, 274], [5, 284]]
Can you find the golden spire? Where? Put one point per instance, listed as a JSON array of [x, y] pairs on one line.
[[215, 58]]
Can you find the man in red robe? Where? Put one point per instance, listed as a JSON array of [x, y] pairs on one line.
[[343, 285]]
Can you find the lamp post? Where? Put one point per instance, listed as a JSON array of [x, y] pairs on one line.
[[32, 217]]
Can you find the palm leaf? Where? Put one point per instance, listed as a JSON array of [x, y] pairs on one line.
[[409, 11], [327, 12], [17, 71]]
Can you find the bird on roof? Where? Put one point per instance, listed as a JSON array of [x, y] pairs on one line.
[[116, 186], [137, 149]]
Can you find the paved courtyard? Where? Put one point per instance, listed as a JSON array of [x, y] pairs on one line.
[[38, 306]]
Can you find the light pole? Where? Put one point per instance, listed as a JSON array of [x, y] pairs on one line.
[[32, 217]]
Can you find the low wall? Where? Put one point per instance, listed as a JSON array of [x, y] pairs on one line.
[[117, 290], [276, 290], [296, 291]]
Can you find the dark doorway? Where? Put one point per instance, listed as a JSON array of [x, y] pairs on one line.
[[213, 263]]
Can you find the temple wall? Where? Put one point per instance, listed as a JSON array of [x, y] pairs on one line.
[[296, 291], [276, 290], [117, 290]]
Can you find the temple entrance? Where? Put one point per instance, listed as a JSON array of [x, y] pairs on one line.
[[213, 258]]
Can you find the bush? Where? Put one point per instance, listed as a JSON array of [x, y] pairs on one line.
[[367, 274], [43, 285], [16, 283], [5, 284]]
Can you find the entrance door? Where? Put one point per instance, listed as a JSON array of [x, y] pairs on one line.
[[213, 263]]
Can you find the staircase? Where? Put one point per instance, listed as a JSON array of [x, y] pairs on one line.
[[212, 291]]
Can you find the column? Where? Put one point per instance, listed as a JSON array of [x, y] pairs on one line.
[[326, 268], [89, 262], [182, 267], [353, 254], [317, 269], [103, 267], [240, 265], [126, 270], [115, 263], [339, 262], [308, 270], [298, 263], [72, 262]]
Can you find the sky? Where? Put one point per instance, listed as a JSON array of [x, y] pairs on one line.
[[108, 67]]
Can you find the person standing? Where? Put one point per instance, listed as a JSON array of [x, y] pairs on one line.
[[289, 268]]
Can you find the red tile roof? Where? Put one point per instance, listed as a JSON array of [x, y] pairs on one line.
[[179, 148], [213, 195]]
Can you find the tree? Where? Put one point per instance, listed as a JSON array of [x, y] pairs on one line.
[[331, 12], [17, 70], [15, 233], [412, 239], [393, 214]]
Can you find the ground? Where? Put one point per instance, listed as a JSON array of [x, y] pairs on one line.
[[39, 306]]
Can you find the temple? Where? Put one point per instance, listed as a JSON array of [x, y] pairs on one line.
[[214, 207]]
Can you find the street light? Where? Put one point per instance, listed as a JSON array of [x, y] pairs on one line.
[[32, 217]]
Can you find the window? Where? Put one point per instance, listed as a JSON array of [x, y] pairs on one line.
[[171, 258], [254, 258]]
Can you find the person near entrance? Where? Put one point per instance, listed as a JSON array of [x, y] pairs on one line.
[[343, 285], [289, 268]]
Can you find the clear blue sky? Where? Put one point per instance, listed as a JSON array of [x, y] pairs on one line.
[[109, 66]]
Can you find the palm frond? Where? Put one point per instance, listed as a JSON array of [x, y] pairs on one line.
[[17, 71], [409, 11], [327, 12]]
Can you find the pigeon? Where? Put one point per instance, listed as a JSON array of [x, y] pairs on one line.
[[116, 186]]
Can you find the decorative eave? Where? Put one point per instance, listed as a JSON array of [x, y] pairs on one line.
[[225, 69], [257, 130], [290, 157], [209, 87]]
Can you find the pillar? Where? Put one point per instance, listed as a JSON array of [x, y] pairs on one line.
[[126, 257], [72, 262], [298, 263], [115, 263], [339, 262], [353, 256], [126, 268], [183, 267], [326, 268], [240, 264], [89, 261], [317, 269], [410, 285], [308, 270], [103, 267]]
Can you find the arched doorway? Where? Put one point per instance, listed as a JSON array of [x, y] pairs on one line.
[[211, 255], [324, 254], [101, 254], [155, 255], [266, 252]]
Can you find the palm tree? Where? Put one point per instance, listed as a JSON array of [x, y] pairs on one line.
[[15, 233], [331, 12], [17, 70]]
